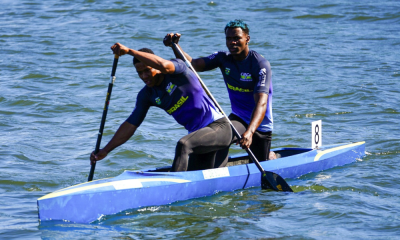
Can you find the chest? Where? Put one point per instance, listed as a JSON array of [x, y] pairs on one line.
[[241, 75], [171, 92]]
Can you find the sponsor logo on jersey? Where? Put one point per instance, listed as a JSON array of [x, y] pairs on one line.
[[177, 105], [262, 78], [212, 56], [238, 89], [170, 88], [158, 100], [245, 77], [227, 71]]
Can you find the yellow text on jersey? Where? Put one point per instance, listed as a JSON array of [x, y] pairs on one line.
[[177, 105], [238, 89]]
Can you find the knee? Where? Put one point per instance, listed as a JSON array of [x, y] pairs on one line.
[[183, 146]]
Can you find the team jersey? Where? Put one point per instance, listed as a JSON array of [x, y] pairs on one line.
[[180, 95], [243, 79]]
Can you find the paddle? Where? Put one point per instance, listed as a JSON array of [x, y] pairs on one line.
[[269, 180], [103, 118]]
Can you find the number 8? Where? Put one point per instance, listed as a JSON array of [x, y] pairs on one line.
[[316, 134]]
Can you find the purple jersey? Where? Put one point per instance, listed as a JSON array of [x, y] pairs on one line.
[[243, 79], [180, 95]]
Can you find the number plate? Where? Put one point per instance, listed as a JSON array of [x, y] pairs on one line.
[[316, 135]]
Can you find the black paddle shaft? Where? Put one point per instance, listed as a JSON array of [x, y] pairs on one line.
[[105, 110], [269, 180]]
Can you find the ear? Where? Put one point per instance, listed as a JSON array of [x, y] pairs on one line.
[[247, 39]]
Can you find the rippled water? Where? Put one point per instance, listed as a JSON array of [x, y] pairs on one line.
[[337, 61]]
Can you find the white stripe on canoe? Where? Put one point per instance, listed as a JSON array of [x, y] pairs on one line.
[[320, 154], [216, 173], [118, 185]]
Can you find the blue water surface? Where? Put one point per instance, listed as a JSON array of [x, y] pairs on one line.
[[335, 61]]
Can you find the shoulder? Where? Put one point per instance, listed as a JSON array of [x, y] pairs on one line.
[[180, 65], [177, 61], [219, 54], [259, 59], [217, 59], [257, 56], [144, 93]]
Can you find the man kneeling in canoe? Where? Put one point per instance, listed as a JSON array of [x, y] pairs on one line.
[[172, 86], [247, 75]]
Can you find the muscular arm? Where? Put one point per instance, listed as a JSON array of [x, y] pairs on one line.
[[261, 100], [152, 60], [124, 132], [198, 64]]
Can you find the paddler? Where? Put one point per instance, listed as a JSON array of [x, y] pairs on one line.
[[247, 76], [172, 86]]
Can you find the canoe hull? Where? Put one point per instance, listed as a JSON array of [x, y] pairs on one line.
[[87, 202]]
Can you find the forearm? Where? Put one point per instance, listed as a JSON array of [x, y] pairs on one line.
[[153, 61], [258, 113], [197, 64], [124, 132], [177, 55], [256, 119]]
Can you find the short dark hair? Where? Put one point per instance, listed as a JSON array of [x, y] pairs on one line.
[[238, 23], [147, 50]]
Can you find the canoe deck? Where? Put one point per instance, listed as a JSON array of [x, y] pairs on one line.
[[241, 159]]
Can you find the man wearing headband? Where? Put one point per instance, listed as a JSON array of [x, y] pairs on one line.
[[172, 86], [247, 76]]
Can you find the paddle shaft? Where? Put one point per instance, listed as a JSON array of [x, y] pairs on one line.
[[105, 110], [238, 136]]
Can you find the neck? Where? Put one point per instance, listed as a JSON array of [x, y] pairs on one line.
[[242, 56], [160, 78]]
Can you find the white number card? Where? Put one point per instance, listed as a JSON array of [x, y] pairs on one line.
[[316, 134]]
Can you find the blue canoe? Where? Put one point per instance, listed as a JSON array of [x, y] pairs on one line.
[[89, 201]]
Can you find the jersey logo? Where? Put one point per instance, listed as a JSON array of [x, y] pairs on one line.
[[212, 56], [227, 71], [158, 100], [177, 105], [238, 89], [262, 78], [170, 88], [245, 77]]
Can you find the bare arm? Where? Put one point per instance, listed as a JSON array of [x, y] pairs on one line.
[[124, 132], [261, 100], [152, 60], [198, 64]]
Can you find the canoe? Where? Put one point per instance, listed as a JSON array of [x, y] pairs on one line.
[[89, 201]]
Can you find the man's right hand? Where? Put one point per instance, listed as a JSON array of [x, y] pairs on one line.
[[168, 39], [119, 49], [97, 157]]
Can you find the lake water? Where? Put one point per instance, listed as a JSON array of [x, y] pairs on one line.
[[335, 61]]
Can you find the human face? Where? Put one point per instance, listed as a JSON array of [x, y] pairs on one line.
[[236, 41], [150, 76]]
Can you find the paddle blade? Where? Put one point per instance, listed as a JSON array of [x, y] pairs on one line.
[[270, 180]]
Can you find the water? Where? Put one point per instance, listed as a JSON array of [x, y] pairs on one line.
[[337, 61]]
